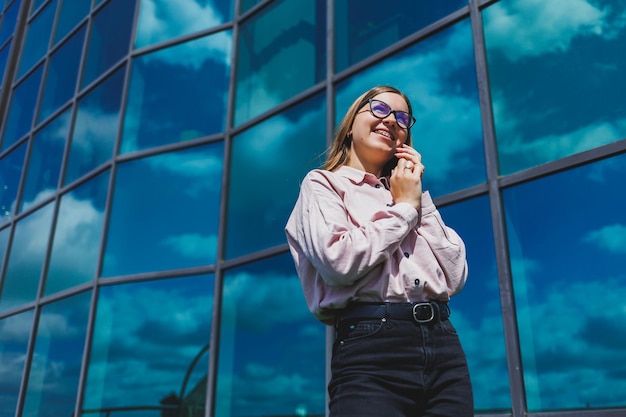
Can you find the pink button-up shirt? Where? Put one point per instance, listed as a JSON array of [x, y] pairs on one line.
[[350, 242]]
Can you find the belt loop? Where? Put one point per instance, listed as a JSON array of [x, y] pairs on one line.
[[387, 312]]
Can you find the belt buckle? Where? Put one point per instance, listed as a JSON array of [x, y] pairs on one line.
[[420, 305]]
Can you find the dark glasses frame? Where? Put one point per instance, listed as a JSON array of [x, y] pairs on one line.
[[405, 121]]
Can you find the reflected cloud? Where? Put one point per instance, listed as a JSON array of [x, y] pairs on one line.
[[610, 237], [192, 245], [523, 28], [94, 129], [202, 170], [568, 349], [145, 339], [163, 20], [554, 146], [15, 329], [76, 242], [253, 313]]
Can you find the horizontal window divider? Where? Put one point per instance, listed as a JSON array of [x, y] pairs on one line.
[[149, 276], [253, 257]]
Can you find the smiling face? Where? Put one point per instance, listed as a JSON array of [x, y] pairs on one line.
[[374, 140]]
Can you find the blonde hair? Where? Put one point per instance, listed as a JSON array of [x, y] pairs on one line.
[[339, 150]]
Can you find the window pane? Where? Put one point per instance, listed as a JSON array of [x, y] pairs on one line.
[[26, 257], [165, 212], [247, 4], [61, 76], [109, 40], [10, 174], [476, 311], [8, 22], [268, 163], [178, 93], [45, 159], [20, 118], [279, 57], [567, 256], [263, 350], [57, 358], [150, 345], [363, 27], [14, 334], [37, 38], [439, 77], [557, 78], [161, 20], [70, 13], [77, 235], [96, 127]]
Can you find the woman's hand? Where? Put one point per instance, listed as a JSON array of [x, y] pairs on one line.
[[406, 177]]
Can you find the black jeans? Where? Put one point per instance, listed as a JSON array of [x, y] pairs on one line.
[[399, 368]]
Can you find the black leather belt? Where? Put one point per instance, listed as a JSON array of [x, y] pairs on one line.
[[423, 312]]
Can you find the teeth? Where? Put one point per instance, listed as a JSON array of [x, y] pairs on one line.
[[384, 133]]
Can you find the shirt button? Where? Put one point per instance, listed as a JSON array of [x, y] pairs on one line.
[[417, 281], [388, 205], [406, 254]]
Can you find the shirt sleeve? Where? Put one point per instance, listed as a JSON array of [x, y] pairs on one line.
[[446, 245], [320, 228]]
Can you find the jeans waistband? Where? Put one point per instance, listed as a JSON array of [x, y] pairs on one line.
[[420, 312]]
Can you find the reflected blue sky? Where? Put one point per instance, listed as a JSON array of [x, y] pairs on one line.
[[26, 258], [165, 212], [37, 38], [77, 235], [570, 285], [266, 334], [162, 20], [267, 165], [146, 336], [556, 75], [57, 357], [193, 77], [363, 27], [44, 161], [109, 39], [23, 105], [61, 75], [70, 13], [439, 77], [14, 334], [96, 127], [269, 45], [11, 166], [476, 311], [9, 20]]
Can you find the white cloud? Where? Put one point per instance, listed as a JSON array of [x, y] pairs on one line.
[[149, 350], [611, 238], [522, 28], [193, 245], [76, 242], [550, 147], [163, 20]]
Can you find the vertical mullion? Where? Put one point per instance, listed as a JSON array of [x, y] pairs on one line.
[[507, 300]]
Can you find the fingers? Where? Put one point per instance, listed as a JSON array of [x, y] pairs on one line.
[[410, 159]]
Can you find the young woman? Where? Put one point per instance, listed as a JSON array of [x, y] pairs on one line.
[[377, 262]]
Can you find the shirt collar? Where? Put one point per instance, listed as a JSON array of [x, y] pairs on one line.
[[357, 176]]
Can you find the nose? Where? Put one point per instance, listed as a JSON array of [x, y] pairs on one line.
[[390, 118]]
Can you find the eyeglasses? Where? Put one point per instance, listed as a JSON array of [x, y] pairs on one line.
[[380, 110]]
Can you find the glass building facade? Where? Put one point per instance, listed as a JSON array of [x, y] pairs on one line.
[[151, 152]]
